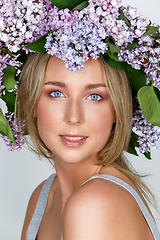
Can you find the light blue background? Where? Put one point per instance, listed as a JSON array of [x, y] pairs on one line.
[[21, 172]]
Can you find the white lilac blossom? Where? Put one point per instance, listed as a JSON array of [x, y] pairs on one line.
[[20, 22], [18, 127], [150, 134], [102, 8], [137, 22], [74, 45], [24, 21]]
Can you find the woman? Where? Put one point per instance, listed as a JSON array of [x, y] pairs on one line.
[[83, 122], [81, 119]]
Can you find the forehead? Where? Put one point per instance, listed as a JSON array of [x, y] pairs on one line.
[[91, 73]]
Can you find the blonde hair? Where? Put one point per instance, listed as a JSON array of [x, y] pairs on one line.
[[29, 91], [113, 152], [120, 93]]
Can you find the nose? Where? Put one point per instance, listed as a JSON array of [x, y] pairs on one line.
[[74, 113]]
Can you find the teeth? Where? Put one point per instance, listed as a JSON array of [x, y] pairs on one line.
[[74, 139]]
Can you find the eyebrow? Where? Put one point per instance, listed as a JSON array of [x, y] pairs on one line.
[[59, 84], [89, 86]]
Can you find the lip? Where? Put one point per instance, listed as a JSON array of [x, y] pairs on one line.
[[75, 143]]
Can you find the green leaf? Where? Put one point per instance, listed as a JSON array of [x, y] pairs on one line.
[[112, 60], [38, 45], [149, 99], [8, 78], [137, 80], [23, 56], [5, 129], [5, 51], [9, 98], [112, 47], [66, 3], [81, 6], [123, 17], [132, 45], [113, 56], [150, 30], [133, 144], [148, 155]]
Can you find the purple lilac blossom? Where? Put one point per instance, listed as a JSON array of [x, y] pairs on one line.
[[103, 15], [74, 45], [144, 56], [18, 127], [150, 134], [106, 14], [57, 18]]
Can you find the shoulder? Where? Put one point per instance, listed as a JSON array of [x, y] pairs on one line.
[[99, 190], [99, 193], [33, 202], [30, 209], [98, 208]]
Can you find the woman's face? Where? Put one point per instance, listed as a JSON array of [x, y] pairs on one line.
[[75, 113]]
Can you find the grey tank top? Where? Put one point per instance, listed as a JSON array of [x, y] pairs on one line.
[[42, 202]]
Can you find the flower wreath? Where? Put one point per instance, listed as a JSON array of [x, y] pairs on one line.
[[73, 30]]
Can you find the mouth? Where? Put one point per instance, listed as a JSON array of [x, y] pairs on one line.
[[73, 141]]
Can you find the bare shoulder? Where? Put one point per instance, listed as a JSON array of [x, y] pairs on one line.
[[99, 207], [30, 209]]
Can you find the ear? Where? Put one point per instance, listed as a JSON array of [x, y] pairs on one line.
[[114, 120], [35, 113]]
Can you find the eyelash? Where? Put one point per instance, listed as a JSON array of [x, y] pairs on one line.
[[98, 97]]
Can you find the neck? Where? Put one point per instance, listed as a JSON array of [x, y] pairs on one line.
[[71, 176]]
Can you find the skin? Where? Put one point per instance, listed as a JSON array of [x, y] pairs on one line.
[[79, 104]]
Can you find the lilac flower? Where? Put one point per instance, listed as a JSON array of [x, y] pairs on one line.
[[137, 21], [6, 60], [149, 134], [104, 7], [144, 56], [22, 22], [57, 18], [80, 35], [19, 22], [74, 45], [18, 128], [106, 13]]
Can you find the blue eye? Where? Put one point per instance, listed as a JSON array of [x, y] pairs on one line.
[[56, 94], [95, 97]]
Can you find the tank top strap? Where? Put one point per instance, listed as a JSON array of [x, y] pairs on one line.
[[40, 209], [151, 223]]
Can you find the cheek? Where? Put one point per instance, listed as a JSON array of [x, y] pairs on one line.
[[100, 126], [101, 121], [48, 113]]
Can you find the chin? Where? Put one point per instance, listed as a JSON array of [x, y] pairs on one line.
[[73, 158]]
